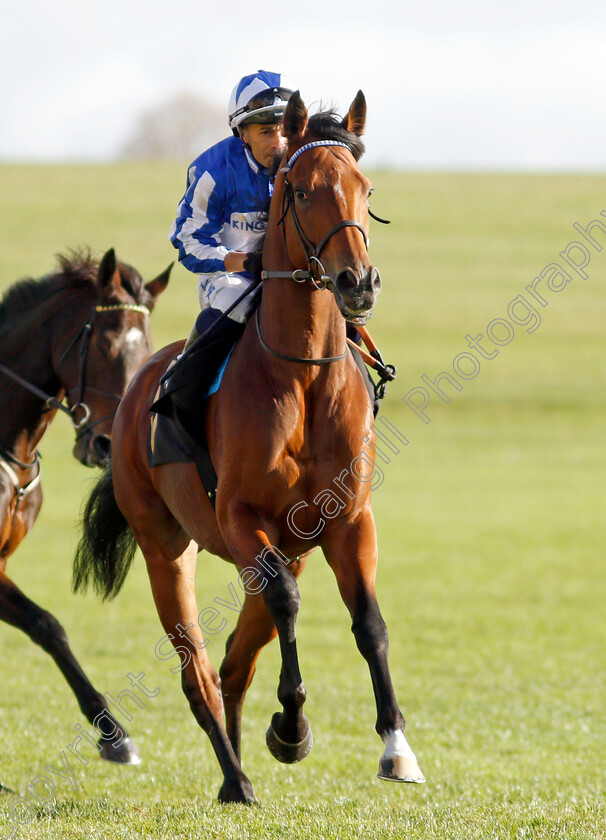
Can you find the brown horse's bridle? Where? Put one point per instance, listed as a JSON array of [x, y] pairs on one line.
[[83, 425], [315, 270]]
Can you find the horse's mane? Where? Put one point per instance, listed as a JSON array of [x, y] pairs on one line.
[[76, 269], [327, 125]]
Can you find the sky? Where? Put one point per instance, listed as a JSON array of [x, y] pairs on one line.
[[474, 84]]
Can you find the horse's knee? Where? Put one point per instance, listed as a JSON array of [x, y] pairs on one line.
[[282, 597], [47, 632], [370, 631]]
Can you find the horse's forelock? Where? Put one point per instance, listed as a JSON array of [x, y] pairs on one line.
[[133, 283], [77, 265], [327, 125], [80, 265]]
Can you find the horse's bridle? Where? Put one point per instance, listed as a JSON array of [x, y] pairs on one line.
[[83, 425], [315, 270]]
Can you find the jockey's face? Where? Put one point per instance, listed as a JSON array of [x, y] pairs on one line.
[[265, 142]]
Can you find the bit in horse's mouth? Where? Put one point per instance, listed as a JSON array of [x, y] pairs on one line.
[[358, 319], [350, 315]]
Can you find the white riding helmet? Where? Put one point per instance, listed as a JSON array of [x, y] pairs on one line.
[[259, 98]]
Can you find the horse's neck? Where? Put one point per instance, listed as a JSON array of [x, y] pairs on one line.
[[23, 425], [27, 351], [297, 320]]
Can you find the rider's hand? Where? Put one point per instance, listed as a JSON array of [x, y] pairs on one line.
[[234, 261], [254, 264]]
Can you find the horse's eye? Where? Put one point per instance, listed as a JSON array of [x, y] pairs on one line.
[[300, 194], [370, 191], [105, 344]]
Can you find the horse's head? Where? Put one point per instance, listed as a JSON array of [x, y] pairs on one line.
[[326, 229], [97, 361]]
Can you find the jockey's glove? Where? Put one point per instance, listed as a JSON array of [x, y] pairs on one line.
[[254, 264]]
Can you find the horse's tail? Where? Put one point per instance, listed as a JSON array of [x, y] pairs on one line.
[[107, 546]]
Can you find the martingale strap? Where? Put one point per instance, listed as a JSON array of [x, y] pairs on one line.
[[326, 360]]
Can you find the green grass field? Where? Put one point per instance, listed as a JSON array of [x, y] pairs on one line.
[[492, 527]]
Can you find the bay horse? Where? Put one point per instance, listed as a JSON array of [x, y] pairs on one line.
[[288, 421], [79, 333]]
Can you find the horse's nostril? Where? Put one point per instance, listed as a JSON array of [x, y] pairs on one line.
[[375, 278], [347, 279], [102, 447]]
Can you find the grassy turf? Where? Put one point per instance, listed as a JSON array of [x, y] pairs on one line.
[[491, 522]]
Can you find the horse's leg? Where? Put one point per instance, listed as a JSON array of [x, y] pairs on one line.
[[44, 629], [171, 566], [254, 630], [351, 550], [289, 736], [172, 582]]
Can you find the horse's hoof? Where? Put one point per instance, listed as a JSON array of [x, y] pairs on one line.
[[283, 751], [124, 753], [400, 769], [240, 793]]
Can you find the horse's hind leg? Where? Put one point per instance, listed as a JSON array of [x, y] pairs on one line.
[[171, 565], [44, 629], [255, 629], [351, 550]]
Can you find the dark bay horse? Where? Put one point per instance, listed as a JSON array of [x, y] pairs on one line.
[[79, 333], [288, 423]]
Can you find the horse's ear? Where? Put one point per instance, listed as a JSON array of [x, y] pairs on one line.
[[156, 286], [295, 118], [355, 121], [107, 273]]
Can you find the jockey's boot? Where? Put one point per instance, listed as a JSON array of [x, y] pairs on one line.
[[201, 365], [188, 384], [204, 322]]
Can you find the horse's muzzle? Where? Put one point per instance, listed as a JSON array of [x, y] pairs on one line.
[[93, 450], [356, 293]]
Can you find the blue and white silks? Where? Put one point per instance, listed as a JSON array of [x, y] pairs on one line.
[[225, 208]]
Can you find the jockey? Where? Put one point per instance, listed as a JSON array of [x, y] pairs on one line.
[[222, 218]]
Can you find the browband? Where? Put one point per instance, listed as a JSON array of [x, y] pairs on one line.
[[312, 145]]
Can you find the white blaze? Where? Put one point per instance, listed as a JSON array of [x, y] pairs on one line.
[[133, 337]]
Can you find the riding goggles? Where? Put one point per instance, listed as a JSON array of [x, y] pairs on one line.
[[270, 98]]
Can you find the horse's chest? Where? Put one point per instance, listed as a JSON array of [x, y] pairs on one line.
[[309, 457]]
